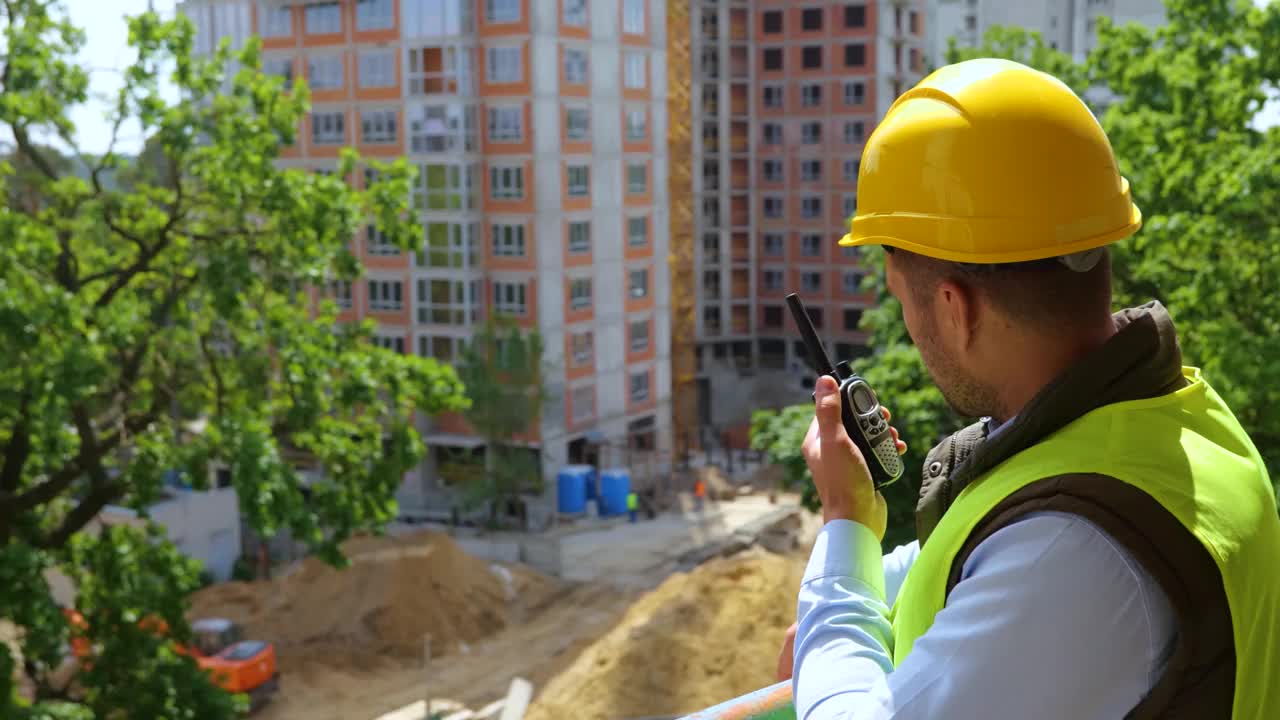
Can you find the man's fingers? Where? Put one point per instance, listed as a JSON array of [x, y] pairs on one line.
[[827, 409], [885, 412]]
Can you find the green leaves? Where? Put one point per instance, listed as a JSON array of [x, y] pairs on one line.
[[167, 314]]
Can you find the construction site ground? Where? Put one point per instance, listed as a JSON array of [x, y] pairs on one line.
[[536, 632]]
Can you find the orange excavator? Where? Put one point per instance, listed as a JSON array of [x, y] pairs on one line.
[[235, 664]]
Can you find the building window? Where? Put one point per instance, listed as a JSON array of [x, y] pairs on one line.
[[853, 132], [811, 281], [580, 293], [447, 302], [971, 22], [811, 57], [855, 55], [340, 291], [503, 65], [583, 402], [633, 71], [638, 330], [376, 242], [633, 17], [711, 284], [772, 316], [638, 231], [575, 13], [637, 179], [638, 283], [506, 124], [575, 66], [444, 187], [577, 123], [815, 315], [913, 21], [773, 244], [324, 72], [281, 68], [773, 206], [854, 93], [374, 14], [810, 95], [449, 245], [855, 16], [579, 237], [772, 279], [811, 133], [442, 348], [849, 204], [508, 240], [275, 21], [849, 252], [394, 343], [772, 170], [710, 323], [772, 134], [852, 282], [852, 318], [386, 295], [810, 207], [323, 18], [811, 19], [328, 128], [506, 183], [773, 59], [773, 96], [377, 68], [501, 11], [640, 386], [637, 125], [508, 298], [379, 126], [849, 169], [771, 21], [581, 348], [440, 70], [811, 245], [810, 170]]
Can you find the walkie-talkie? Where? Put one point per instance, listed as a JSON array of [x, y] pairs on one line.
[[859, 409]]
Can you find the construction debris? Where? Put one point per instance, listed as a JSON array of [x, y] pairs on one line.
[[699, 638]]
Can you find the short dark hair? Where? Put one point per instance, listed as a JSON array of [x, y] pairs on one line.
[[1038, 292]]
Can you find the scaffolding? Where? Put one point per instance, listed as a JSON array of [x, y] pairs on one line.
[[684, 395]]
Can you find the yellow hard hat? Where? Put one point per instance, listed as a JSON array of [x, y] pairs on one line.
[[990, 161]]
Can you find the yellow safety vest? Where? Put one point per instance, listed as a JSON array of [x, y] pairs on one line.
[[1188, 452]]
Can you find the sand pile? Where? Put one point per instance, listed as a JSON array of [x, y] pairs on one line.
[[718, 487], [396, 591], [698, 639]]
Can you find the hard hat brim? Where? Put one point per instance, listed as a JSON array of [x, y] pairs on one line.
[[868, 230]]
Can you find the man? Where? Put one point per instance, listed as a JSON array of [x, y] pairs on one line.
[[632, 503], [1104, 543]]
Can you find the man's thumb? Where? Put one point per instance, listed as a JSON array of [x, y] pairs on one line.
[[827, 407]]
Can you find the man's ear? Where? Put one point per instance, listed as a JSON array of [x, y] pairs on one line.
[[958, 311]]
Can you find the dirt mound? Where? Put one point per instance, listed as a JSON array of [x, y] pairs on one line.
[[700, 638], [396, 591], [718, 486]]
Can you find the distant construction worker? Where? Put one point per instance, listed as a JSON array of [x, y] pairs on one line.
[[633, 502], [699, 491], [1104, 542]]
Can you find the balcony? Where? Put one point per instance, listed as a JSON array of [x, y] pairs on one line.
[[739, 63], [739, 211], [711, 321], [739, 136], [710, 249], [739, 174], [740, 286], [739, 100], [738, 25], [740, 250], [741, 321]]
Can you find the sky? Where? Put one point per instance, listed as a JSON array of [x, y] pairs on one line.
[[106, 52]]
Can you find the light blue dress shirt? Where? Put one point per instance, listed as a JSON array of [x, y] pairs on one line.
[[1051, 620]]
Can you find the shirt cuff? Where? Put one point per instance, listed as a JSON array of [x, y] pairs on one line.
[[847, 549]]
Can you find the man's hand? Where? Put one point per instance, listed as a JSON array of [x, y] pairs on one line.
[[839, 471], [787, 658]]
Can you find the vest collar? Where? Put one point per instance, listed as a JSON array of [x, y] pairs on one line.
[[1142, 360]]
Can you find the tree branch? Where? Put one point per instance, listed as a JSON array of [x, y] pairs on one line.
[[102, 489], [218, 388], [18, 448]]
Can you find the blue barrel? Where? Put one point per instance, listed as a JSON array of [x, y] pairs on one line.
[[615, 485], [571, 486]]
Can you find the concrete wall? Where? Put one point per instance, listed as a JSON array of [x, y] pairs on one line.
[[203, 525]]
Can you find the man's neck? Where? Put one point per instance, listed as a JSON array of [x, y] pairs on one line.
[[1051, 356]]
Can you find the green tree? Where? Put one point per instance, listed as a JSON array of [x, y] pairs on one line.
[[502, 369], [1180, 116], [166, 323]]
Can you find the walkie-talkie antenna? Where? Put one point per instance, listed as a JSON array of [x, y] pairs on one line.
[[817, 354]]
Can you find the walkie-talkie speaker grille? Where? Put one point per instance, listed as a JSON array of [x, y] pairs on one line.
[[887, 453]]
